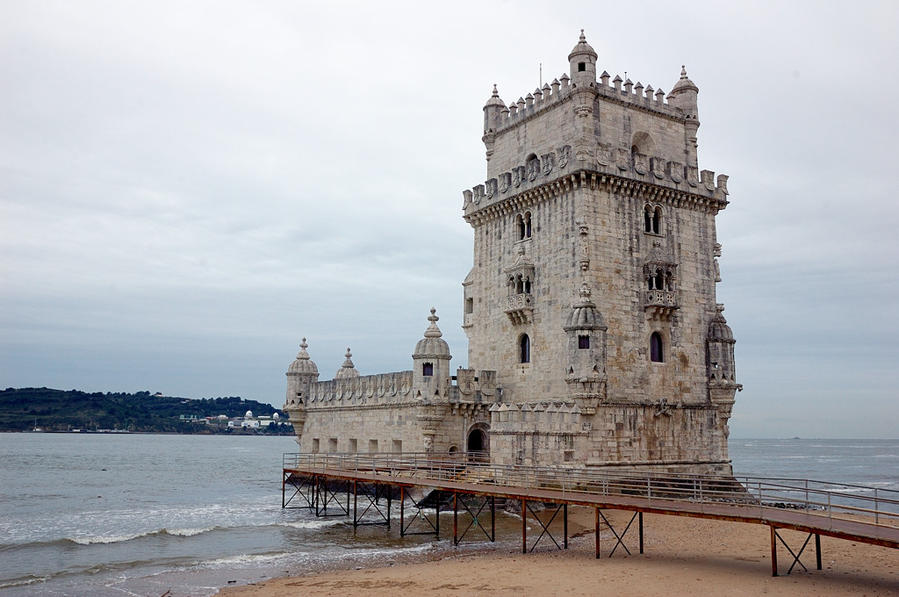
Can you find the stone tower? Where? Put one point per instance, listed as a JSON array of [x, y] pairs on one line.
[[592, 292]]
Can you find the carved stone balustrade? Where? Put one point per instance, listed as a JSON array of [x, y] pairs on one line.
[[660, 304], [520, 308]]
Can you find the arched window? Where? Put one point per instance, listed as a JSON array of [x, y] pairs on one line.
[[519, 284], [657, 220], [427, 369], [647, 219], [527, 286], [655, 348], [522, 229], [527, 225], [524, 349]]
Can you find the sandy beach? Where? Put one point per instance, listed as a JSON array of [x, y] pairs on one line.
[[682, 556]]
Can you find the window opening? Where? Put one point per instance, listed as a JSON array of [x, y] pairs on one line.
[[581, 67], [527, 225], [583, 342], [522, 229], [647, 220], [655, 348], [524, 346], [527, 286], [657, 220], [427, 369]]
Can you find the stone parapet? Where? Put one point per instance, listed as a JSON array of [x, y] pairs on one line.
[[374, 389]]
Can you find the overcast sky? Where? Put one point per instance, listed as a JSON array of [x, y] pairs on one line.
[[188, 188]]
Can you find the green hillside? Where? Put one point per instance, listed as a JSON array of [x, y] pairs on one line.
[[22, 409]]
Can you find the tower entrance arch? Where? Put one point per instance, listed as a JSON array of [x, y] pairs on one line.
[[477, 443]]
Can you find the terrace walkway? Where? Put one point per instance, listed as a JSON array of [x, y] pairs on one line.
[[468, 485]]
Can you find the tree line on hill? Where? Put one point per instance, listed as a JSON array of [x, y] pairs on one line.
[[23, 409]]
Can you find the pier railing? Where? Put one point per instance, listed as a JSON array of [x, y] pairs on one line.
[[821, 499]]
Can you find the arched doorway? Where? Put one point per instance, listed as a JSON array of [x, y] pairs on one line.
[[477, 445]]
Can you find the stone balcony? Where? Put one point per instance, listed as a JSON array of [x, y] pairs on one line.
[[520, 308], [660, 304]]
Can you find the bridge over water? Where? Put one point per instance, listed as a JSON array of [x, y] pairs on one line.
[[469, 486]]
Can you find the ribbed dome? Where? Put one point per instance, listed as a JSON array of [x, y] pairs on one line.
[[719, 331], [582, 48], [684, 83], [584, 314], [432, 345], [348, 369], [495, 99], [303, 364]]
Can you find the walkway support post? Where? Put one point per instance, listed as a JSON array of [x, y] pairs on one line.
[[818, 550], [455, 518], [773, 552], [641, 532], [524, 525], [596, 529], [402, 510]]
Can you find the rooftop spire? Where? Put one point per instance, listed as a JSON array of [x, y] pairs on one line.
[[348, 369], [433, 331], [303, 355]]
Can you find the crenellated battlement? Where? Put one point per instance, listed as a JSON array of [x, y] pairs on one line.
[[618, 90], [616, 161], [548, 416]]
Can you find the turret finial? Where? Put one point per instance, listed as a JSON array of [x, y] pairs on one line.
[[683, 71], [303, 344], [495, 91], [433, 331], [348, 353], [583, 38]]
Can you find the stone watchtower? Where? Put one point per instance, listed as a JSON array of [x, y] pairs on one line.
[[592, 292]]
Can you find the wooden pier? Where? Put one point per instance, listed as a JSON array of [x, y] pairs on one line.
[[468, 485]]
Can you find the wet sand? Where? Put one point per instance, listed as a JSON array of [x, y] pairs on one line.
[[683, 556]]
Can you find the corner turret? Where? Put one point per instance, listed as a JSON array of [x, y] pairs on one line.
[[684, 95], [582, 63], [300, 375], [431, 363]]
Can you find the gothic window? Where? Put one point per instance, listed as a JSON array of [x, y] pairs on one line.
[[655, 348], [524, 349], [652, 219], [427, 369], [521, 227], [527, 225], [583, 342]]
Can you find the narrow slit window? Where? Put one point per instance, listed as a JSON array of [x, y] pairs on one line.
[[655, 348], [524, 349]]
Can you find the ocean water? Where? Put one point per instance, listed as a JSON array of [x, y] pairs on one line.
[[145, 514]]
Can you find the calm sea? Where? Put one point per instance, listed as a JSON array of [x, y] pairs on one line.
[[146, 514]]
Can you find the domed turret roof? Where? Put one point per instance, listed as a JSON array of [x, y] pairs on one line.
[[582, 48], [348, 369], [683, 83], [718, 329], [432, 345], [495, 99], [584, 314], [303, 364]]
